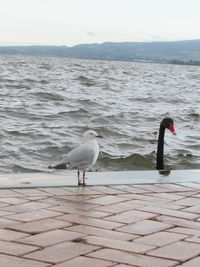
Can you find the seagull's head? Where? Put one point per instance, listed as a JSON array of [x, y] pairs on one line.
[[91, 135]]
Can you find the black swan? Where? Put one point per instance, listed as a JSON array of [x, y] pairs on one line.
[[82, 157], [169, 124]]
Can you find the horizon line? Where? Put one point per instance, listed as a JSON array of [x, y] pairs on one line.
[[64, 45]]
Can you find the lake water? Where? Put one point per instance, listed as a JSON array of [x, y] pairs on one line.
[[46, 104]]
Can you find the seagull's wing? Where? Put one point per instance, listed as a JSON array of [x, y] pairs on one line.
[[80, 156]]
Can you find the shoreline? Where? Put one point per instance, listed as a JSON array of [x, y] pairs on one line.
[[69, 178]]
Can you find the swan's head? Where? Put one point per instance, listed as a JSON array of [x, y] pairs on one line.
[[91, 135], [169, 124]]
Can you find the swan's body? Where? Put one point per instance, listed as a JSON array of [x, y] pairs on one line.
[[169, 124], [83, 156]]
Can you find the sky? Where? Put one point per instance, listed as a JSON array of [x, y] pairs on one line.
[[72, 22]]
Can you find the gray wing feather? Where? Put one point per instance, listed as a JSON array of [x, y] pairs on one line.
[[79, 156]]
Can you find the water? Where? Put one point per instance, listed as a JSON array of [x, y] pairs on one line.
[[47, 103]]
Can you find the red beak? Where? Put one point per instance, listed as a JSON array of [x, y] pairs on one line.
[[171, 128]]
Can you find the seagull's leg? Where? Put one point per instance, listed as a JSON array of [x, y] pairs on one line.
[[84, 183], [78, 174]]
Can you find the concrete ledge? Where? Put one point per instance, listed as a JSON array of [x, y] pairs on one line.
[[69, 178]]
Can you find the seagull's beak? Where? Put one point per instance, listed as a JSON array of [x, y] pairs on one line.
[[99, 136], [171, 128]]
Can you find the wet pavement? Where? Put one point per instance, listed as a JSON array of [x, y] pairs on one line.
[[112, 225]]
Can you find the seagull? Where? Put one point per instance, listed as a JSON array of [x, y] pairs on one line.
[[82, 157]]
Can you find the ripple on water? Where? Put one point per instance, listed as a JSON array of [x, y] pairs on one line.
[[47, 104]]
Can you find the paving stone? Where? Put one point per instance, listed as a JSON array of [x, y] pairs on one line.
[[77, 191], [106, 200], [4, 223], [9, 235], [33, 215], [68, 203], [108, 190], [30, 192], [184, 230], [191, 185], [51, 237], [169, 212], [56, 191], [130, 189], [101, 232], [160, 238], [194, 209], [189, 201], [168, 196], [35, 198], [9, 193], [197, 195], [187, 194], [144, 227], [39, 226], [81, 219], [77, 198], [90, 213], [175, 187], [15, 249], [13, 200], [192, 263], [126, 196], [87, 262], [140, 202], [118, 207], [148, 198], [131, 216], [168, 206], [194, 239], [180, 251], [61, 252], [102, 225], [152, 188], [179, 222], [29, 206], [83, 190], [118, 244], [127, 258], [12, 261], [3, 204], [4, 213]]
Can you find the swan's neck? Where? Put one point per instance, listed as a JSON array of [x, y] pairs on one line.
[[160, 149]]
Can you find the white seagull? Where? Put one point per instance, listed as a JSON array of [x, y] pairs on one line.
[[82, 157]]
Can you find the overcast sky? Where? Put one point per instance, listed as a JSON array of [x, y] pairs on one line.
[[71, 22]]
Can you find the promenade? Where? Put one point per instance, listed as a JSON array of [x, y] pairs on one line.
[[139, 224]]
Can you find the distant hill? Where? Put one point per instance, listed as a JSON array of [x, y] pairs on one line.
[[173, 52]]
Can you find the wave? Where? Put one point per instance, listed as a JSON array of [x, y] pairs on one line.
[[47, 104], [132, 162], [26, 169], [48, 96], [86, 81], [147, 162]]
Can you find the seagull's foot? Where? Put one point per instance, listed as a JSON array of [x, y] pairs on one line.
[[82, 184]]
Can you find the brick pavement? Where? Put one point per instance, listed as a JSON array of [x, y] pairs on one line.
[[98, 226]]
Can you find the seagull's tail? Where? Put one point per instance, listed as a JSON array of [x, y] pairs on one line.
[[59, 166]]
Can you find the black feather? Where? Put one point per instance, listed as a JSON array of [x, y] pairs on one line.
[[59, 166]]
